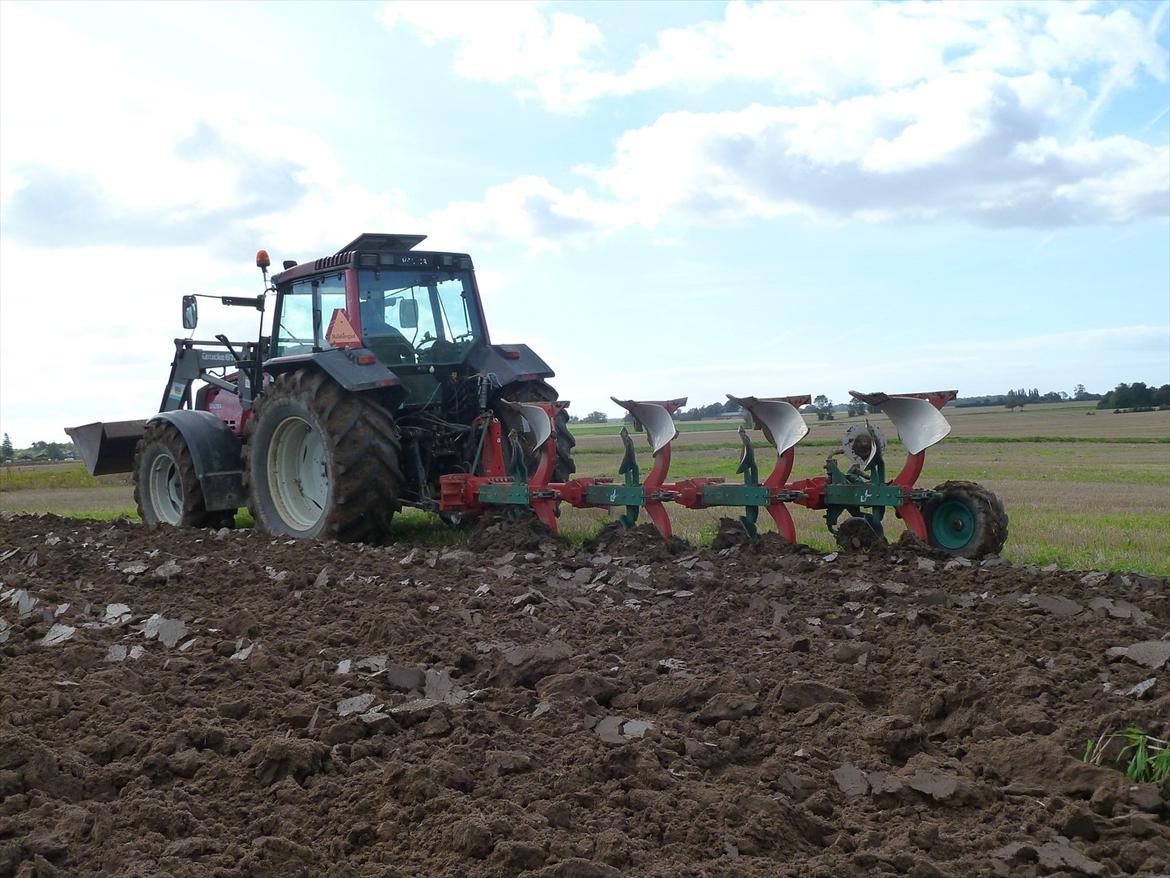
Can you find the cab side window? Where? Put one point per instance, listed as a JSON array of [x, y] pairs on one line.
[[294, 330], [331, 289]]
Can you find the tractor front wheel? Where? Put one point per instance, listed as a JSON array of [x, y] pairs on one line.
[[166, 489], [966, 520], [321, 462]]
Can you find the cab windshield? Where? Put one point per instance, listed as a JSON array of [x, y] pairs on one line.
[[413, 316]]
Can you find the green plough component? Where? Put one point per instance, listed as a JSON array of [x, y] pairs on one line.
[[633, 477]]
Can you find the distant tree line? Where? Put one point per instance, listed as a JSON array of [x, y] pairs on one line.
[[38, 451], [1136, 396], [1018, 398]]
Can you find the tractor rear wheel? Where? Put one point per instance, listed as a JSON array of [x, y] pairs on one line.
[[166, 489], [564, 467], [967, 520], [321, 462]]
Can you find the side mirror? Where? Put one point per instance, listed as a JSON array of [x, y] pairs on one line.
[[408, 314], [190, 312]]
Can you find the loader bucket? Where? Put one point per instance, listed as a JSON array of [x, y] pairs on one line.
[[778, 418], [918, 422], [655, 417], [107, 447]]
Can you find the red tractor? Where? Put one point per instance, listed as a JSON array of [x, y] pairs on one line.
[[378, 378]]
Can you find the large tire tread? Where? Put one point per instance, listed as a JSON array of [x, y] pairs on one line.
[[364, 445], [195, 511]]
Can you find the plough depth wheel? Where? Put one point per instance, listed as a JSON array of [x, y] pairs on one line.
[[965, 520]]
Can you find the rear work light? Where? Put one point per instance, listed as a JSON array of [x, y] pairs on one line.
[[366, 359], [511, 355]]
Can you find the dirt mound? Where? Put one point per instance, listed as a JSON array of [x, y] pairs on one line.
[[218, 703], [731, 533], [496, 532], [642, 541]]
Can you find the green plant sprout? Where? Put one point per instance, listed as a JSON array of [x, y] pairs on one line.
[[1149, 757]]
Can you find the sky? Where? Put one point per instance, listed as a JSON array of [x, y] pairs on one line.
[[661, 199]]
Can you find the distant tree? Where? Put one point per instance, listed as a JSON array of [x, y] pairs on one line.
[[856, 408], [573, 419], [6, 452], [1079, 392], [1133, 396], [730, 407], [824, 407], [595, 418], [1015, 399]]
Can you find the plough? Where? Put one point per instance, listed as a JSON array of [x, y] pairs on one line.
[[960, 518]]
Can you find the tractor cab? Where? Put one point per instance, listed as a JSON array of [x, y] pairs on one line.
[[418, 313]]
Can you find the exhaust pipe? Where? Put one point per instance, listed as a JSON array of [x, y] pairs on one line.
[[107, 447]]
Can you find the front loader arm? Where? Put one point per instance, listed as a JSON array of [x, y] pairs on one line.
[[193, 363]]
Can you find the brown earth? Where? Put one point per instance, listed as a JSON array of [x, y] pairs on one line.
[[630, 708]]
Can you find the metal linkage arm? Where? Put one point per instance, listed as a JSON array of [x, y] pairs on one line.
[[656, 418], [779, 418], [920, 424]]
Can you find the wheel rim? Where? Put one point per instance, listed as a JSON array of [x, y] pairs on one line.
[[952, 524], [297, 474], [166, 489]]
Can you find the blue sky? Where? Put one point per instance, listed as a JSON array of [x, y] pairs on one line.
[[663, 199]]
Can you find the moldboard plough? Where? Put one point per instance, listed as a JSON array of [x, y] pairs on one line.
[[960, 518]]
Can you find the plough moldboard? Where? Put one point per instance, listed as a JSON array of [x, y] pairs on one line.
[[958, 517]]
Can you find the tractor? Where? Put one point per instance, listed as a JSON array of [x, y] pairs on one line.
[[378, 387], [378, 378]]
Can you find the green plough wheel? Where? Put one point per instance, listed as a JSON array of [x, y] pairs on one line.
[[967, 520]]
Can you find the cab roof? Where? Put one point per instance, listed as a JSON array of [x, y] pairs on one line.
[[376, 250]]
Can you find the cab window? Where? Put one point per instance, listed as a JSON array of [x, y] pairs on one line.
[[294, 329], [298, 330]]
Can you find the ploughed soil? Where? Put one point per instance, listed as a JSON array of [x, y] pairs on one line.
[[198, 703]]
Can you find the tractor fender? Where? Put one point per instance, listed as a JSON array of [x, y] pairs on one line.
[[343, 367], [510, 363], [215, 453]]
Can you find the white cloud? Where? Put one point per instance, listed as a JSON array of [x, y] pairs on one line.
[[979, 147], [908, 111], [971, 146], [802, 50], [506, 42]]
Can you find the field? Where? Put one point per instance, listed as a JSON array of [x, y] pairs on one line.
[[1084, 489], [221, 705], [493, 702]]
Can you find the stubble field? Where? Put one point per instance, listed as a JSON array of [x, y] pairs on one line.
[[1084, 489]]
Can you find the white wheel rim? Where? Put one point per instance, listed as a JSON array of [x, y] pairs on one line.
[[166, 489], [297, 474]]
